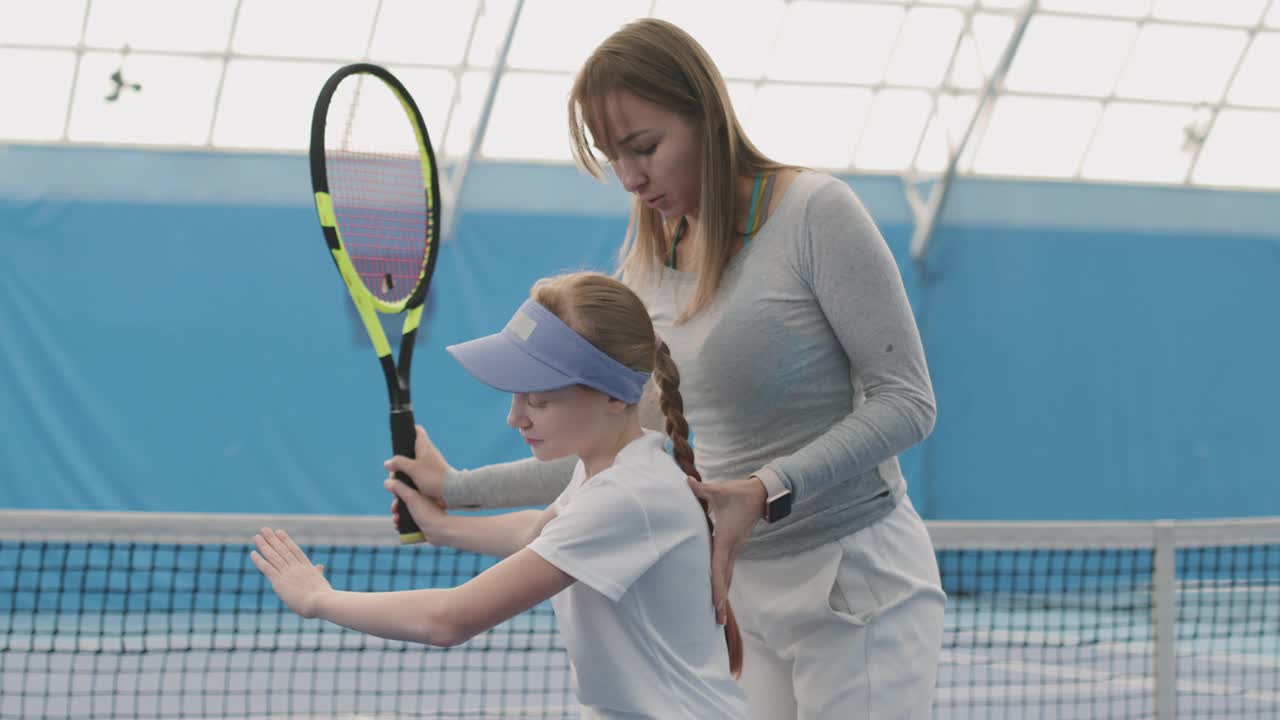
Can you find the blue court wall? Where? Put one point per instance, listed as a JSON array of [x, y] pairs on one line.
[[173, 337]]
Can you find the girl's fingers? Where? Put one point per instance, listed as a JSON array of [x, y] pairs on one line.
[[293, 548], [265, 567], [267, 549]]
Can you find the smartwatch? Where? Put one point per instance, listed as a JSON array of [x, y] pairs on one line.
[[778, 504]]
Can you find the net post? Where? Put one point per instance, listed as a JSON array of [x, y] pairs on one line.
[[1164, 621]]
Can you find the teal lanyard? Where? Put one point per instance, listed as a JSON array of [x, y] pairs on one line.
[[753, 221]]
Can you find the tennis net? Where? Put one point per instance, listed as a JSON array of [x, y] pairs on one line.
[[1110, 620], [139, 615]]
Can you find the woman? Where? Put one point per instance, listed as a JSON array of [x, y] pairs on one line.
[[805, 377], [623, 553]]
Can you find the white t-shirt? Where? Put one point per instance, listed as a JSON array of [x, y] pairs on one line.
[[638, 623]]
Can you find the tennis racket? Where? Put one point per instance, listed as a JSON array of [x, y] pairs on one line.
[[374, 176]]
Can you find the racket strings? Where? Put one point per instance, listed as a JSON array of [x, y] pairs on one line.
[[377, 187]]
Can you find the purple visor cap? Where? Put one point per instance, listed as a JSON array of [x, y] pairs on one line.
[[537, 352]]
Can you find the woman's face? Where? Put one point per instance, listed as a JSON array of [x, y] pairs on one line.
[[656, 153]]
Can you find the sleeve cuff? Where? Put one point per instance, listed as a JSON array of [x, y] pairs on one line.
[[773, 482]]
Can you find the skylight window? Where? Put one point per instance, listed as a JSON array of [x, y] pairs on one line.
[[1180, 63], [542, 43], [160, 25], [267, 105], [1244, 13], [1114, 90], [1257, 82], [1241, 151], [48, 22], [172, 105], [1039, 65], [894, 126], [980, 49], [924, 49], [1115, 8], [338, 29], [809, 125], [835, 42], [401, 36], [529, 120], [741, 48], [951, 115], [1036, 137], [1143, 142], [44, 87]]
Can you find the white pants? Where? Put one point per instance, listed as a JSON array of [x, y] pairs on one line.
[[849, 630]]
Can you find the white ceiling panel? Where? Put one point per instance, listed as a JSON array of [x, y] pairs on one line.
[[1039, 66], [411, 31], [160, 24], [1181, 64], [339, 29], [1141, 143], [1242, 151], [980, 50], [925, 47], [1112, 8], [892, 133], [809, 125], [1036, 137], [1244, 13], [1257, 82], [44, 87], [41, 22], [835, 42], [493, 19], [530, 119], [1115, 90], [543, 42], [946, 128], [267, 104], [171, 107], [464, 116], [740, 48]]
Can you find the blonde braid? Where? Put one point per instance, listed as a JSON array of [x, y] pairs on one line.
[[667, 378]]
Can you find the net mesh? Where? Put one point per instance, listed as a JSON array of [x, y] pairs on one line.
[[107, 615], [1060, 620]]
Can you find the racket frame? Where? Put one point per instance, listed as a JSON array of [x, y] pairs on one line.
[[368, 305]]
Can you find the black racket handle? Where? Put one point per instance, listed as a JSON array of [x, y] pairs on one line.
[[403, 435]]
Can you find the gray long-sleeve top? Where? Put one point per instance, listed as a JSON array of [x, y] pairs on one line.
[[807, 365]]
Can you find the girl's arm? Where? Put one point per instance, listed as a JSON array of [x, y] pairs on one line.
[[496, 535], [441, 617], [505, 485]]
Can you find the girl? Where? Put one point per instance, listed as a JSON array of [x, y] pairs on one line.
[[623, 553]]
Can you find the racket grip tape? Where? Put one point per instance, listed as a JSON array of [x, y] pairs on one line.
[[403, 435]]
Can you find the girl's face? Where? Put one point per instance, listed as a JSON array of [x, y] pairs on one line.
[[559, 423], [656, 154]]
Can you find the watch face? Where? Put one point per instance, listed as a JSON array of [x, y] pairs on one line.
[[779, 506]]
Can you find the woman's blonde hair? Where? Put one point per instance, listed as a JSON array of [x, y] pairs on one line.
[[611, 317], [657, 61]]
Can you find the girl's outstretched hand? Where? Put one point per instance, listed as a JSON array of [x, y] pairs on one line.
[[298, 583]]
